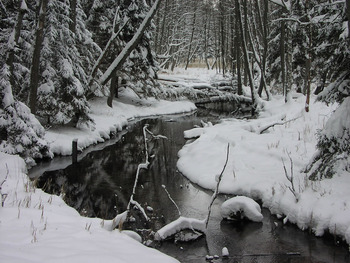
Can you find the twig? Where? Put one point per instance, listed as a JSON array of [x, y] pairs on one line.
[[291, 177], [277, 123], [217, 185], [172, 200], [3, 196]]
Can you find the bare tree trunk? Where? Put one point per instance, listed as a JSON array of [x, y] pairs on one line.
[[73, 16], [283, 59], [348, 15], [192, 35], [264, 28], [206, 42], [113, 87], [222, 34], [162, 28], [35, 69], [308, 61], [246, 57], [238, 52], [232, 44]]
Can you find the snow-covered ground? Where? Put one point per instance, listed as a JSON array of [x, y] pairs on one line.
[[110, 120], [38, 227], [266, 163]]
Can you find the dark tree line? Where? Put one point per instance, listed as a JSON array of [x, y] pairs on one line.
[[54, 54], [283, 45], [272, 46], [58, 54]]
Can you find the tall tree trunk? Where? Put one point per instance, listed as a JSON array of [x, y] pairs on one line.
[[159, 40], [206, 42], [283, 59], [16, 34], [308, 60], [73, 16], [348, 15], [246, 58], [232, 44], [222, 36], [264, 28], [35, 69], [112, 89], [192, 36], [238, 52]]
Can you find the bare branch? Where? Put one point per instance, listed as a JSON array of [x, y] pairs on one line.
[[217, 185]]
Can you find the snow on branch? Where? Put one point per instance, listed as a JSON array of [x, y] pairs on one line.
[[218, 179], [265, 128], [104, 52], [130, 46], [120, 218], [239, 207], [283, 3], [178, 225]]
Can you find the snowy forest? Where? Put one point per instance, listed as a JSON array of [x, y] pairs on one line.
[[55, 55], [62, 59]]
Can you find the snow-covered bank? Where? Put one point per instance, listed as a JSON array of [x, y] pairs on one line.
[[259, 152], [110, 120], [38, 227]]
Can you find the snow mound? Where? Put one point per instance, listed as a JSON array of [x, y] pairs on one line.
[[241, 206], [178, 225]]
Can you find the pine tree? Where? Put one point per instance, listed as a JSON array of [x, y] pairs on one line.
[[141, 67], [334, 140], [61, 94], [20, 132]]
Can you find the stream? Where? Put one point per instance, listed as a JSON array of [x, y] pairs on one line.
[[100, 184]]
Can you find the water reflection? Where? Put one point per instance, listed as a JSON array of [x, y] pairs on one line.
[[101, 183]]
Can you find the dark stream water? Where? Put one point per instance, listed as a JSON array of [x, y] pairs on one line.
[[100, 184]]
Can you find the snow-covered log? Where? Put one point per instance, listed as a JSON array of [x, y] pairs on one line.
[[241, 206], [178, 225]]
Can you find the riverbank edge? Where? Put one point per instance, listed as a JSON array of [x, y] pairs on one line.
[[34, 226]]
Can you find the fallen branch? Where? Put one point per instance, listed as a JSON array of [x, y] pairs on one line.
[[276, 123], [217, 186], [179, 224], [172, 200], [121, 218]]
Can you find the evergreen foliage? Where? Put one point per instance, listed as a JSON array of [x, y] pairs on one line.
[[61, 94], [20, 132], [334, 140]]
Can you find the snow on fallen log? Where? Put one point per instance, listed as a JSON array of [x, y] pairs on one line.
[[110, 225], [193, 133], [197, 131], [201, 86], [182, 223], [239, 207]]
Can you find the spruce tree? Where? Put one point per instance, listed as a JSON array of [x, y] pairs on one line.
[[334, 140], [61, 94]]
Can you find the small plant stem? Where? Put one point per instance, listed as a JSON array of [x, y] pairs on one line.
[[216, 192], [172, 200]]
